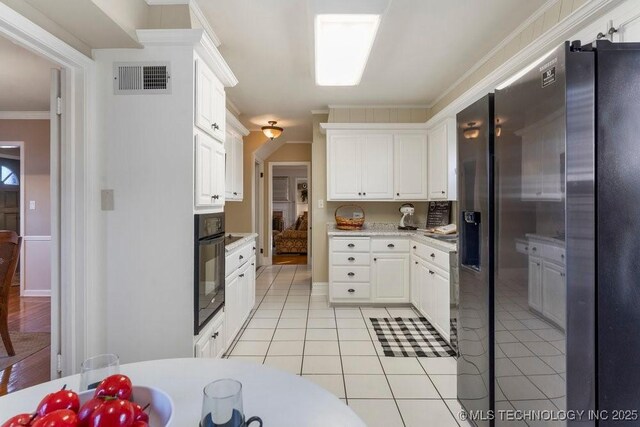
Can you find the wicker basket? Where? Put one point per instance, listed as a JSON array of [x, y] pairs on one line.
[[345, 217]]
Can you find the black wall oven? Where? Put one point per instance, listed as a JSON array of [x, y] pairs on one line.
[[209, 268]]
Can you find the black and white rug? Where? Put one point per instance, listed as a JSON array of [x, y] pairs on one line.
[[410, 337]]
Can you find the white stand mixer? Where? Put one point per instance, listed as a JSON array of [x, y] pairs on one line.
[[407, 222]]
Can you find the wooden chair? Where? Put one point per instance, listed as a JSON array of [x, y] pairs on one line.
[[9, 253]]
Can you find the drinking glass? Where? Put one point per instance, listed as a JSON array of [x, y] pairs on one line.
[[222, 405], [97, 368]]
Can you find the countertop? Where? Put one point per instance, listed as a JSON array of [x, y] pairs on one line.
[[384, 229], [279, 398], [547, 239], [246, 237]]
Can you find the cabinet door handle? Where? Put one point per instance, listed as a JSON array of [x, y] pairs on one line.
[[351, 259], [235, 194], [432, 255], [561, 256], [375, 259], [416, 262], [391, 245], [431, 272], [364, 194], [415, 247], [561, 274], [254, 248], [253, 263], [242, 275], [241, 257], [351, 274], [397, 194], [351, 245], [443, 192], [215, 126], [351, 291], [214, 336], [359, 193], [534, 249]]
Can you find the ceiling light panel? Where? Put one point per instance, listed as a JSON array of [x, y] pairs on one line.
[[342, 46]]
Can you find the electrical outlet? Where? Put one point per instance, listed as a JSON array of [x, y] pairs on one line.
[[320, 204], [106, 200], [32, 205]]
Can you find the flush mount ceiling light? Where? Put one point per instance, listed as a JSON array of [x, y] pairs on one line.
[[472, 132], [272, 131], [342, 46]]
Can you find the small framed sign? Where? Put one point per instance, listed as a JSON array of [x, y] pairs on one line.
[[439, 214]]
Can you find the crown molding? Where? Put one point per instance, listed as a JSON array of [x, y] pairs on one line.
[[298, 142], [165, 2], [319, 111], [372, 126], [400, 106], [233, 107], [24, 115], [236, 125], [200, 40], [538, 47], [199, 14]]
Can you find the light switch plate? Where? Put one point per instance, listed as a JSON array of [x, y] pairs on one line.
[[320, 204], [106, 200], [32, 205]]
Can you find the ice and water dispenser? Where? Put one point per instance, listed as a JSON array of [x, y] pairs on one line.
[[470, 240]]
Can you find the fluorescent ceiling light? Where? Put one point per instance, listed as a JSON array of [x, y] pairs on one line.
[[343, 44], [9, 146], [524, 71]]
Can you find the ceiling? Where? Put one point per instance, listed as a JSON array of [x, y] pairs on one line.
[[24, 79], [422, 48]]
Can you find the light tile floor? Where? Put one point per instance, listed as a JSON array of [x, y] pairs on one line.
[[337, 349]]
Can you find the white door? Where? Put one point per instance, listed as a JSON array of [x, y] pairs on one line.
[[410, 166], [535, 283], [218, 125], [438, 169], [252, 282], [344, 167], [427, 292], [243, 293], [205, 88], [218, 174], [442, 308], [218, 342], [415, 282], [531, 167], [204, 148], [391, 278], [377, 167], [203, 347], [554, 293], [231, 308], [238, 168], [229, 166]]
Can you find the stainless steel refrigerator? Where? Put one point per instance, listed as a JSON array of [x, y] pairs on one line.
[[561, 229]]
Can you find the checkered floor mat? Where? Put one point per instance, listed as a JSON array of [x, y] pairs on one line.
[[410, 337]]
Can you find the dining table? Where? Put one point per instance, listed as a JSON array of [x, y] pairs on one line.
[[280, 398]]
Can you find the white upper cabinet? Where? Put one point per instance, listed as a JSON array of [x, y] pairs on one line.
[[442, 161], [376, 157], [210, 102], [209, 172], [344, 167], [410, 166], [234, 169], [543, 147]]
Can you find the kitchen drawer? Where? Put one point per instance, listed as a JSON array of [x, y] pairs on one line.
[[522, 247], [238, 257], [390, 245], [350, 244], [350, 274], [536, 248], [421, 250], [554, 253], [437, 257], [341, 258], [346, 291]]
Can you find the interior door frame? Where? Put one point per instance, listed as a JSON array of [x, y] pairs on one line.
[[270, 196], [257, 200], [76, 227], [21, 230]]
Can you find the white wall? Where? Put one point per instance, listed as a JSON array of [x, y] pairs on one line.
[[148, 153]]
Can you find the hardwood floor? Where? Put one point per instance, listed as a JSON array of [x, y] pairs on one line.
[[27, 315], [292, 259]]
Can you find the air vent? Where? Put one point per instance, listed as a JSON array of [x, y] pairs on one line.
[[134, 78]]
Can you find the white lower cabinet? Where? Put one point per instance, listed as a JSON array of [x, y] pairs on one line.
[[415, 281], [547, 282], [554, 293], [391, 277], [211, 343], [535, 283]]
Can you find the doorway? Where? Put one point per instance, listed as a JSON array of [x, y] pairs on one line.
[[289, 195]]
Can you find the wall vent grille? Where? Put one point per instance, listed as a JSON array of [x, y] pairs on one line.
[[131, 78]]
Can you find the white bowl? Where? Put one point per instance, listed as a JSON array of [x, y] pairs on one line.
[[161, 405]]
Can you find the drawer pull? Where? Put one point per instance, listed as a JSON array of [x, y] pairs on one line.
[[351, 245], [416, 262], [432, 255], [431, 272], [214, 336], [562, 256], [534, 249], [351, 291], [391, 245], [375, 259], [415, 247], [351, 274], [351, 259], [242, 275], [241, 257]]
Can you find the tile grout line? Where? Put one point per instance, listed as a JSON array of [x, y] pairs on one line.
[[344, 381], [306, 329], [281, 311]]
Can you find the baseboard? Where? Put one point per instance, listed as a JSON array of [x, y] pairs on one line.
[[36, 293], [320, 288]]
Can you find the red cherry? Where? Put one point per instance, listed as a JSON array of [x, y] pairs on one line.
[[115, 386], [19, 420], [87, 409], [112, 413], [139, 413], [62, 399], [59, 418]]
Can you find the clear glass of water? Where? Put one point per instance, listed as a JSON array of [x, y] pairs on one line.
[[222, 405], [97, 368]]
